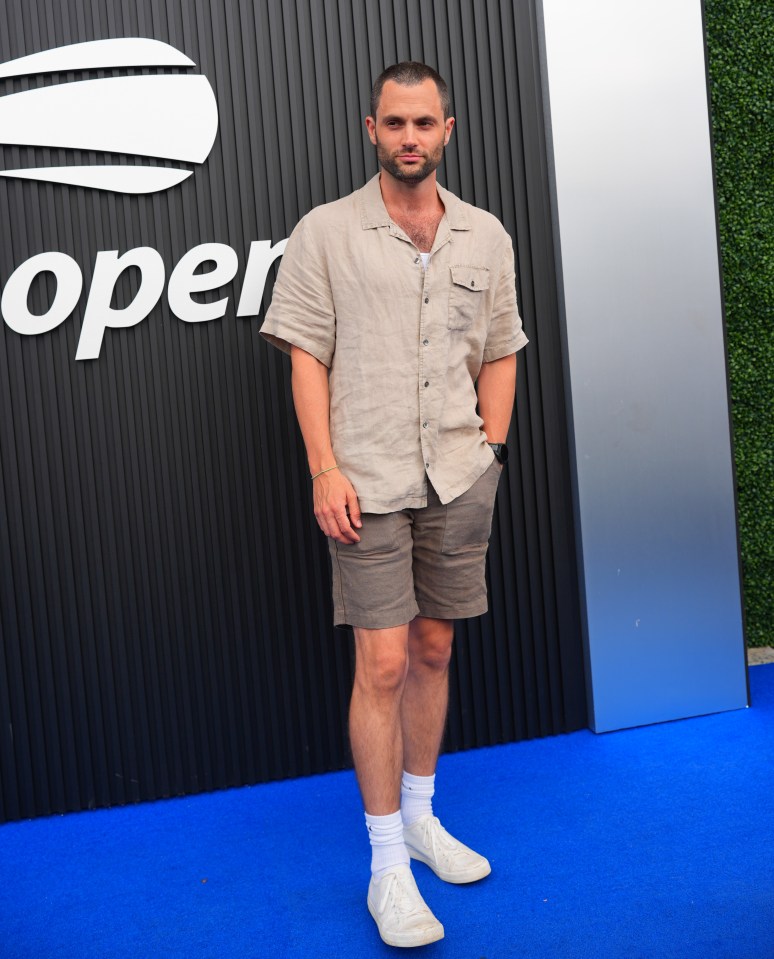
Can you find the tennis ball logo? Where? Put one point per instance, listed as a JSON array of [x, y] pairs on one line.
[[167, 115]]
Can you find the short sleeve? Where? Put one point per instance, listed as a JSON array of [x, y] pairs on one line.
[[505, 334], [301, 311]]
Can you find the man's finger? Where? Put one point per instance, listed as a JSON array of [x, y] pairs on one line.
[[327, 520], [350, 536], [321, 523], [353, 505]]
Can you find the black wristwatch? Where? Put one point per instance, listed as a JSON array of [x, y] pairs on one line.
[[500, 451]]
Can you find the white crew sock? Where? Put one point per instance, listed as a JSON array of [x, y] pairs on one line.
[[387, 846], [416, 797]]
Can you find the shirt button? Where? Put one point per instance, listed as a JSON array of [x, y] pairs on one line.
[[472, 282], [425, 342], [427, 383], [424, 425], [427, 299], [416, 260], [427, 465]]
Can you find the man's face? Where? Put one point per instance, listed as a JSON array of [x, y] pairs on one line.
[[409, 131]]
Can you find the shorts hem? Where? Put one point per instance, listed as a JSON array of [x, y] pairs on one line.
[[454, 612], [375, 619]]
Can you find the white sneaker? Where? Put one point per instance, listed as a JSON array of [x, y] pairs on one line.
[[400, 913], [427, 841]]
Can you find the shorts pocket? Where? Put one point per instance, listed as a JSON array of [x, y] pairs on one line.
[[467, 295], [378, 534], [468, 523]]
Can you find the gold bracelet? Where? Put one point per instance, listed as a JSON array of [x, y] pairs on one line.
[[327, 470]]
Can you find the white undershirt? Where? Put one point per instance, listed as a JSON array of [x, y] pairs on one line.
[[425, 259]]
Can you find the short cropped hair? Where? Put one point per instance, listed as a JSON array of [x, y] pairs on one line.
[[410, 73]]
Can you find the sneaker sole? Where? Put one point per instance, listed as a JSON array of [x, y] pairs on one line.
[[458, 878], [406, 940]]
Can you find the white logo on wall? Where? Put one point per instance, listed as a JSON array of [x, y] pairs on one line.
[[173, 116], [100, 316], [165, 115]]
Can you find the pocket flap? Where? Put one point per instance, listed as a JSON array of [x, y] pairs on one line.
[[471, 277]]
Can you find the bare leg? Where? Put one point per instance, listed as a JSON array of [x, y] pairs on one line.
[[426, 693], [381, 663], [423, 715]]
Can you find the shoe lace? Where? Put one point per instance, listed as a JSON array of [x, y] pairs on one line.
[[404, 903], [440, 842]]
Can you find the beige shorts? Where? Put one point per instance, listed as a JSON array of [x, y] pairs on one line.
[[417, 562]]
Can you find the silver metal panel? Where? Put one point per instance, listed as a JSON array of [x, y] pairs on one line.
[[634, 203]]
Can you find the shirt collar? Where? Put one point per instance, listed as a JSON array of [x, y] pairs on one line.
[[373, 212]]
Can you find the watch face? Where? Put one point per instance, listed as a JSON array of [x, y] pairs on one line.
[[501, 452]]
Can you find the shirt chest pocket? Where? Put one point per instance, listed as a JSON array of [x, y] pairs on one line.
[[467, 295]]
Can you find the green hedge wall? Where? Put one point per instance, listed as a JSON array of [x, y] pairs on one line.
[[740, 40]]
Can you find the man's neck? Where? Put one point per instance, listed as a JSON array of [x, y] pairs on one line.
[[410, 198]]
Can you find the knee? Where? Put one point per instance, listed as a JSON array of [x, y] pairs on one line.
[[431, 645], [383, 672]]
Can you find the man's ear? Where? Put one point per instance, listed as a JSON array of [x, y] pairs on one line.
[[370, 123], [448, 127]]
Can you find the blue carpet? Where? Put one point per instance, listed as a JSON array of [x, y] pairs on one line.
[[654, 842]]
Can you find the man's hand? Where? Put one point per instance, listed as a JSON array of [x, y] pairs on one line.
[[336, 508]]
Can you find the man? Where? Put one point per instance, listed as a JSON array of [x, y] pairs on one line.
[[393, 302]]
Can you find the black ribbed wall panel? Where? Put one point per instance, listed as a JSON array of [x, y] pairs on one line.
[[164, 595]]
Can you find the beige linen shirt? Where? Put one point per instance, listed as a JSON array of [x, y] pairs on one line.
[[403, 345]]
